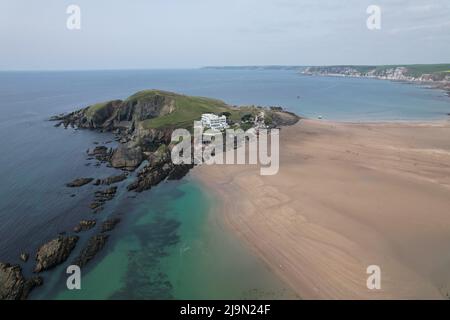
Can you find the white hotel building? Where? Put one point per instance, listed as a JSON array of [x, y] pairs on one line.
[[214, 122]]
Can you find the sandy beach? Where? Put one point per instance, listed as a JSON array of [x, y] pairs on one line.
[[347, 196]]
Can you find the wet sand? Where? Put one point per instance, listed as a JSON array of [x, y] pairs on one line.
[[347, 196]]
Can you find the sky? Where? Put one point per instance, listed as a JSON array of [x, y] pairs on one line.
[[147, 34]]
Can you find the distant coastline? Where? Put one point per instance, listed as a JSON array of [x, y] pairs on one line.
[[435, 75]]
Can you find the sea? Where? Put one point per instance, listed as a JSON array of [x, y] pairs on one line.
[[171, 242]]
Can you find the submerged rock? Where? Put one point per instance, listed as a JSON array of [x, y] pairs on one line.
[[13, 285], [79, 182], [94, 245], [84, 225], [111, 180], [24, 256], [101, 197], [109, 224], [54, 252]]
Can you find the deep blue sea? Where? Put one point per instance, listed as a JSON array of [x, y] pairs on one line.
[[157, 234]]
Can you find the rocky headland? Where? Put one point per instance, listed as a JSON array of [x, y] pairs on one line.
[[143, 126]]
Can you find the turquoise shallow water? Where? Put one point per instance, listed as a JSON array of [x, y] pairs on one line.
[[170, 243], [175, 247]]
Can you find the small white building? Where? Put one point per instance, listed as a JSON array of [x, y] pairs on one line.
[[214, 122]]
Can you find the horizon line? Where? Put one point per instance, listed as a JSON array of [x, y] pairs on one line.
[[220, 66]]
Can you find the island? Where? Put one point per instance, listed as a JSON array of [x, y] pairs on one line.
[[142, 124]]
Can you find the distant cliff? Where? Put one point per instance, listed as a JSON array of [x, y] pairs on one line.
[[438, 75], [416, 73]]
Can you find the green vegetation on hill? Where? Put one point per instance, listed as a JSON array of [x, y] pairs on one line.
[[95, 108], [187, 109], [155, 109]]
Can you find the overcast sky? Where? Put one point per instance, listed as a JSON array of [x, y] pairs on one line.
[[121, 34]]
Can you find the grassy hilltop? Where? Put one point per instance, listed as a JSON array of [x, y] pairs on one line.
[[160, 109], [187, 109], [157, 109]]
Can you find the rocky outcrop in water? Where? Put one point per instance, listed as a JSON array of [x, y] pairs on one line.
[[127, 157], [109, 224], [24, 256], [84, 225], [79, 182], [54, 252], [101, 197], [13, 285], [94, 245], [101, 153], [111, 180]]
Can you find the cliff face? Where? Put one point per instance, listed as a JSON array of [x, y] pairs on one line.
[[121, 115], [414, 73], [139, 108], [141, 139]]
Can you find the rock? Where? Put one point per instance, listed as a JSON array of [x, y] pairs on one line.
[[127, 158], [94, 117], [84, 225], [101, 197], [13, 285], [109, 224], [106, 195], [101, 153], [24, 256], [95, 205], [284, 118], [179, 171], [159, 168], [94, 245], [149, 177], [111, 180], [97, 210], [54, 252], [79, 182]]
